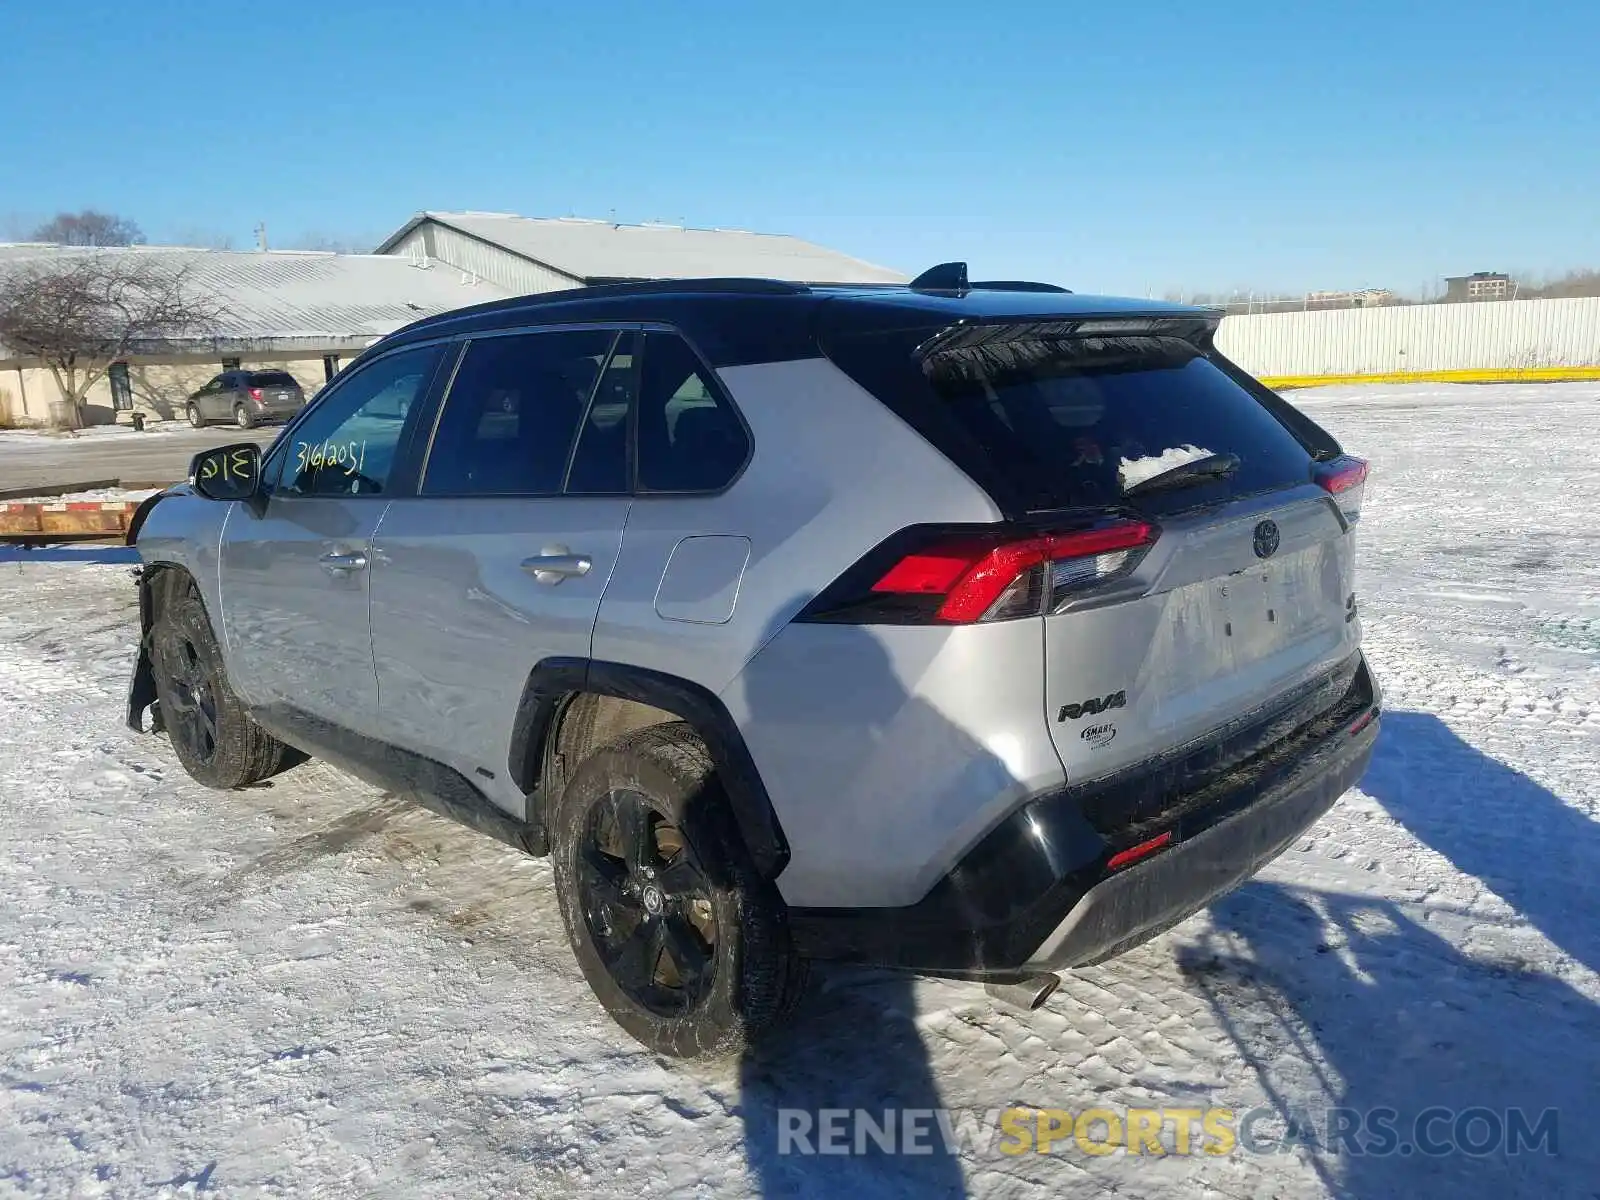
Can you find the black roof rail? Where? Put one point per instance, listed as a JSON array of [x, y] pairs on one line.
[[636, 287], [1018, 285], [646, 287], [952, 277]]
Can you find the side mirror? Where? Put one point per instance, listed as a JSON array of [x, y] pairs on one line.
[[228, 472]]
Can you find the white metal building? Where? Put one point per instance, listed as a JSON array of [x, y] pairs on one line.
[[528, 254], [303, 311]]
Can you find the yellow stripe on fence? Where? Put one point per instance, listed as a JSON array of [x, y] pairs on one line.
[[1475, 375]]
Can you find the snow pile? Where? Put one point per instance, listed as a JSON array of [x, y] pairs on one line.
[[132, 495]]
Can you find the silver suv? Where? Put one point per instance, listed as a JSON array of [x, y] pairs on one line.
[[980, 630]]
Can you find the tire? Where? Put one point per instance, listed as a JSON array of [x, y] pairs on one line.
[[242, 417], [195, 419], [214, 737], [705, 965]]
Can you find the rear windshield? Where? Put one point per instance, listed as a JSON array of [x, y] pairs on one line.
[[272, 379], [1067, 422]]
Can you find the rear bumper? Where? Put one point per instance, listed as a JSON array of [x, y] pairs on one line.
[[1039, 892], [1146, 899]]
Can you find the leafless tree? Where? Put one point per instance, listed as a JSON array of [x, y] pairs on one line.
[[1573, 283], [89, 228], [80, 313]]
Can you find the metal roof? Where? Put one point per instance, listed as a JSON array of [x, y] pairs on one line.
[[599, 251], [301, 294]]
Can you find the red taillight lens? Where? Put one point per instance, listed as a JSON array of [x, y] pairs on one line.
[[993, 578], [1342, 474], [255, 393], [1344, 478]]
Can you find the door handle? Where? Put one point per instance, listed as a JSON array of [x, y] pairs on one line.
[[556, 564], [340, 563]]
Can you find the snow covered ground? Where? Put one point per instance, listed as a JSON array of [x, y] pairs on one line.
[[306, 989], [130, 495], [91, 432]]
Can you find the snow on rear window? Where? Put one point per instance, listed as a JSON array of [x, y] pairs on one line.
[[1132, 471]]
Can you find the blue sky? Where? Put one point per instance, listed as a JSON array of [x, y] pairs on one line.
[[1139, 147]]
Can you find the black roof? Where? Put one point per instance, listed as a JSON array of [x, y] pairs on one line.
[[735, 321]]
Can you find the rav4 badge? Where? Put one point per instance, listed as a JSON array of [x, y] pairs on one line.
[[1092, 706]]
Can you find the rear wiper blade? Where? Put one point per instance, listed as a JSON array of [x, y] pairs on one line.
[[1199, 470]]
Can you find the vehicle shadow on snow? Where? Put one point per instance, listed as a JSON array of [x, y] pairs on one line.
[[1344, 1002], [854, 1043], [1536, 852]]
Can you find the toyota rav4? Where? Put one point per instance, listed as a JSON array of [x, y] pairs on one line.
[[976, 629]]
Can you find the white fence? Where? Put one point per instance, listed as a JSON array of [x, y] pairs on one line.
[[1511, 339]]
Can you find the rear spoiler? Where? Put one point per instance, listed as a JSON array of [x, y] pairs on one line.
[[966, 335]]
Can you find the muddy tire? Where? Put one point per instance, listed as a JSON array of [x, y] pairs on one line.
[[683, 943], [214, 737]]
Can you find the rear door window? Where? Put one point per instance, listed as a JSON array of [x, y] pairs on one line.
[[514, 407], [1069, 422]]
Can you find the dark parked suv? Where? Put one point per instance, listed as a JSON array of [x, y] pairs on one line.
[[247, 398]]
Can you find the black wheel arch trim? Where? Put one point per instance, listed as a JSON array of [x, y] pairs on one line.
[[554, 681], [142, 696]]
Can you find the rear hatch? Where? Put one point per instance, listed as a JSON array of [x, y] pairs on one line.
[[1185, 537], [277, 391]]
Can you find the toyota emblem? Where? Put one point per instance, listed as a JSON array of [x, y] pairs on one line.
[[1266, 539]]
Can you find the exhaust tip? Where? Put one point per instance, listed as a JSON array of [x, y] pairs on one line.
[[1027, 993]]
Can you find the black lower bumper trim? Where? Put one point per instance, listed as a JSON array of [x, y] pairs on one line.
[[1152, 896]]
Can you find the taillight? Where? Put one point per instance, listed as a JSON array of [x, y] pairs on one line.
[[964, 577], [1344, 478], [255, 393]]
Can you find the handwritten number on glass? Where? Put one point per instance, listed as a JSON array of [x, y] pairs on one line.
[[351, 456]]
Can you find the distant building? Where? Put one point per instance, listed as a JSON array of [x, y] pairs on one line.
[[301, 311], [1480, 285], [1362, 298], [545, 254]]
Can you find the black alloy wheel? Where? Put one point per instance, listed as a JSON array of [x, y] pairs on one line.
[[647, 904], [190, 711]]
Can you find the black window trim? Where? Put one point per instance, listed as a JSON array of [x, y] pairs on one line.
[[404, 473], [633, 336]]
